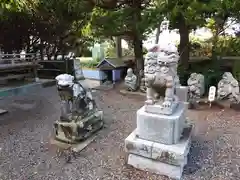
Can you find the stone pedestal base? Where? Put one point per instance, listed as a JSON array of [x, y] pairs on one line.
[[161, 128], [159, 109], [182, 93], [168, 160], [74, 132]]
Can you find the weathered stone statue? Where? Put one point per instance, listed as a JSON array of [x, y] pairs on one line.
[[228, 88], [196, 87], [142, 82], [161, 72], [80, 117], [131, 80], [161, 141], [77, 69]]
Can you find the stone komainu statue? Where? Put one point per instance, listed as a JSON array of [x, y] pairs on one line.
[[160, 71], [79, 114], [228, 88], [196, 87]]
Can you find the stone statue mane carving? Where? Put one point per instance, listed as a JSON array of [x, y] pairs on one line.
[[228, 88], [196, 87], [161, 72], [131, 80], [79, 114]]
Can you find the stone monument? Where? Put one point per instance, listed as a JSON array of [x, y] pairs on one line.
[[161, 141], [80, 117], [131, 80], [228, 88], [78, 69], [196, 87]]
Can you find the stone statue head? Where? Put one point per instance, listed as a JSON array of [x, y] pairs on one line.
[[65, 80], [130, 72], [227, 75], [168, 54], [193, 76]]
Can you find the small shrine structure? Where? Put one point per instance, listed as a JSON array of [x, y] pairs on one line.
[[113, 69]]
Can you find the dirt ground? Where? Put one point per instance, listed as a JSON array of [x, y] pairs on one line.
[[26, 154]]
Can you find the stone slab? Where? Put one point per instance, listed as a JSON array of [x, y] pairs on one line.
[[161, 128], [75, 147], [153, 166], [182, 93], [20, 90], [175, 154], [86, 127]]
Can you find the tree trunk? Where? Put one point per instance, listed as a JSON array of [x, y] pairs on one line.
[[184, 47], [119, 47], [157, 34], [184, 50], [139, 61], [137, 40]]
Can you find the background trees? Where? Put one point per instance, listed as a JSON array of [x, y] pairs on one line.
[[57, 26], [49, 25], [131, 20]]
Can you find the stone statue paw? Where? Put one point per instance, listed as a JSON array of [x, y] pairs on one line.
[[149, 102], [167, 104]]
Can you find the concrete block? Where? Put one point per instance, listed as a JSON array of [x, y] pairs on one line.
[[153, 166], [182, 93], [165, 129]]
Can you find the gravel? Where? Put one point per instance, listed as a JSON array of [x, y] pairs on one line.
[[25, 151]]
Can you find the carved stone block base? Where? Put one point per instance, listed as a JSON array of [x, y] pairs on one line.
[[159, 109], [78, 147], [153, 166], [159, 158], [74, 132], [166, 129]]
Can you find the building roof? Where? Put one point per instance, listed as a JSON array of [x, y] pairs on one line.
[[114, 62]]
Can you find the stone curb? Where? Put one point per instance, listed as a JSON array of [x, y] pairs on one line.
[[21, 90]]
